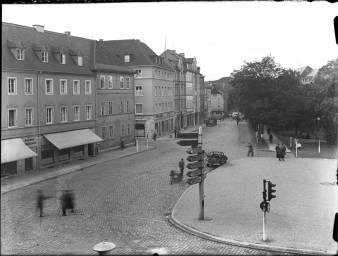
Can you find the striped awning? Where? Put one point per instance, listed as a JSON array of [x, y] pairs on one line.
[[71, 139], [15, 149]]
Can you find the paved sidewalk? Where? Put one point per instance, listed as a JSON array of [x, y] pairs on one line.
[[28, 178]]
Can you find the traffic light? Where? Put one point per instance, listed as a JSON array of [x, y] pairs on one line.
[[271, 191]]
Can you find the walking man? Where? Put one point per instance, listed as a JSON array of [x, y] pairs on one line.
[[270, 138], [278, 151], [39, 201], [250, 149], [67, 201], [181, 165], [282, 151]]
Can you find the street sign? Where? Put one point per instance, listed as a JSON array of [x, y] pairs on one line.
[[265, 206], [194, 180], [187, 135], [194, 173], [191, 143], [195, 165], [195, 150], [196, 157]]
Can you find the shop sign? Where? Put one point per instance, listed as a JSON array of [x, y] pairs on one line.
[[30, 141]]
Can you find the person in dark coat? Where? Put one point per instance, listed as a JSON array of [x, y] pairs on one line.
[[39, 201], [181, 165], [154, 136], [67, 201], [270, 138], [282, 151], [278, 151], [250, 149]]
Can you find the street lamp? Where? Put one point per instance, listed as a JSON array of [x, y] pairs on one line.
[[318, 119]]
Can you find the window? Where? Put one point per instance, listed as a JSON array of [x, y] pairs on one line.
[[76, 113], [49, 115], [102, 82], [139, 109], [79, 61], [76, 87], [139, 73], [128, 82], [88, 112], [110, 108], [20, 54], [110, 82], [128, 129], [121, 82], [103, 108], [121, 107], [12, 122], [63, 87], [111, 132], [126, 58], [12, 86], [28, 116], [63, 58], [28, 86], [122, 129], [88, 87], [44, 56], [64, 116], [49, 86], [128, 106], [103, 130], [156, 107], [155, 90], [138, 91]]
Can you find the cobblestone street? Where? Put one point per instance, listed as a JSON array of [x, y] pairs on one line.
[[124, 201]]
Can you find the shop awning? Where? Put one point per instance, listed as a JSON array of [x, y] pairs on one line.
[[15, 149], [70, 139]]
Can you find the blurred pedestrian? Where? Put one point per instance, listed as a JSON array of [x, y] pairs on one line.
[[270, 138], [250, 151], [181, 165], [282, 151], [67, 201], [154, 136], [39, 201], [237, 120], [278, 151]]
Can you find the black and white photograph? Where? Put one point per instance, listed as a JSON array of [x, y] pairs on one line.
[[169, 128]]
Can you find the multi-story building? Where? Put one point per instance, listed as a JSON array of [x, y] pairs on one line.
[[48, 99], [154, 86], [217, 103], [175, 60], [115, 111], [222, 85], [203, 112]]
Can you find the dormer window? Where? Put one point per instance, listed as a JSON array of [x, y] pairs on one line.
[[17, 48], [77, 57], [63, 58], [20, 54], [60, 54], [44, 56], [79, 61], [126, 58]]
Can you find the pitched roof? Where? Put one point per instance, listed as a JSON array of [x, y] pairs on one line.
[[214, 90], [141, 53], [33, 41], [105, 60], [313, 73]]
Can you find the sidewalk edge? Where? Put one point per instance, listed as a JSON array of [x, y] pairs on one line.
[[54, 175]]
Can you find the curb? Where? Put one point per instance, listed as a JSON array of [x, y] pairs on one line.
[[213, 238], [172, 220], [54, 175]]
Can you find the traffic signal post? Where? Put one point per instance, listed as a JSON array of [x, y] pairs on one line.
[[265, 205], [197, 163]]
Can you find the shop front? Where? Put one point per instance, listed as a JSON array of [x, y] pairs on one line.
[[64, 147], [16, 157]]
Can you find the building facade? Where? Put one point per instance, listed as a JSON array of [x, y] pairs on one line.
[[48, 99], [154, 86]]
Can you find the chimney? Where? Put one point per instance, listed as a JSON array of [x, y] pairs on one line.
[[67, 33], [182, 54], [39, 28]]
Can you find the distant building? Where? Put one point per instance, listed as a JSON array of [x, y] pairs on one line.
[[307, 74], [223, 86], [217, 102], [154, 86]]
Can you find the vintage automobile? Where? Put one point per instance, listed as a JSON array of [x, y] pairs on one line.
[[216, 158], [211, 122]]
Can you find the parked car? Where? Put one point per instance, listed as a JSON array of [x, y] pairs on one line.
[[235, 115], [216, 158], [211, 122]]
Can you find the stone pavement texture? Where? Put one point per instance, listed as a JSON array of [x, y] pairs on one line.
[[301, 216], [32, 177]]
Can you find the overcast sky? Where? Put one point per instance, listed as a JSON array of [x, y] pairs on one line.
[[221, 35]]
